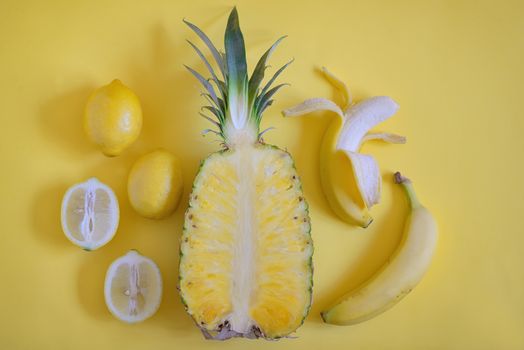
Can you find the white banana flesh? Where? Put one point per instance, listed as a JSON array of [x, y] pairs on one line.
[[403, 271]]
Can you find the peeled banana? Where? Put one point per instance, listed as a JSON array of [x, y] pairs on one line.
[[350, 180], [399, 276]]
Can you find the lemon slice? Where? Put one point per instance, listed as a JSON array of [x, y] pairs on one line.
[[90, 214], [133, 287]]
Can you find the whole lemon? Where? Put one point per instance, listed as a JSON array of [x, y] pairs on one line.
[[155, 185], [113, 118]]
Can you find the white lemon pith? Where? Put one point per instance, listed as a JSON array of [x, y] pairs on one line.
[[90, 214], [133, 287]]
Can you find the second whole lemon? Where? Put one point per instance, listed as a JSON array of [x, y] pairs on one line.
[[155, 185], [113, 118]]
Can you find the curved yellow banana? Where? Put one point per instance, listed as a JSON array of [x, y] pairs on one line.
[[399, 276], [350, 180]]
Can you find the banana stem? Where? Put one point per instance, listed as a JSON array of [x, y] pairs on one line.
[[407, 185]]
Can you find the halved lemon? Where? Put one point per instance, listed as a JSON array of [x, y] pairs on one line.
[[133, 287], [90, 214]]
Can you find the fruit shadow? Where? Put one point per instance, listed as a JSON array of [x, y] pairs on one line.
[[90, 285], [92, 269], [47, 214], [389, 228], [307, 152], [170, 101], [355, 94], [61, 120], [171, 122], [156, 239], [307, 160]]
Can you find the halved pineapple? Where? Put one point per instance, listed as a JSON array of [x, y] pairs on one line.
[[246, 246], [245, 266]]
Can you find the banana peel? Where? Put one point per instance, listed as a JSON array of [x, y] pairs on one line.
[[350, 180]]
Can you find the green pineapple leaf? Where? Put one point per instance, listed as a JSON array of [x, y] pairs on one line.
[[206, 84], [238, 100], [235, 54], [217, 55], [258, 72], [275, 76], [220, 84], [265, 100]]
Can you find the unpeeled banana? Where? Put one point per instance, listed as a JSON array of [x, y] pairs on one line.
[[399, 276]]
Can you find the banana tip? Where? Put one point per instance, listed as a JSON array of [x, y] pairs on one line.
[[399, 179]]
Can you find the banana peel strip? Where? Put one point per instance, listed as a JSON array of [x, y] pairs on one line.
[[313, 105], [358, 119]]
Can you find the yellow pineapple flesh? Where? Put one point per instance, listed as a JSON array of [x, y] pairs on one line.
[[246, 249]]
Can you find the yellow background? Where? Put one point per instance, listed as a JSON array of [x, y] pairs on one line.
[[455, 68]]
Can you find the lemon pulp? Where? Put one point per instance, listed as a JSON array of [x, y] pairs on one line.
[[90, 214], [133, 287]]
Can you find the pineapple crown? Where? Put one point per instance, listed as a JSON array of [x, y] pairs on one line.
[[235, 100]]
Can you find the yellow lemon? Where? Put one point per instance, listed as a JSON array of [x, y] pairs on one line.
[[154, 185], [113, 118]]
